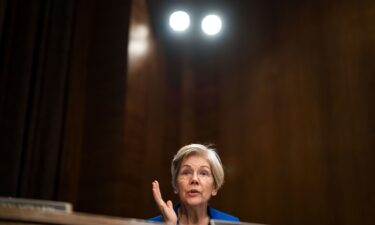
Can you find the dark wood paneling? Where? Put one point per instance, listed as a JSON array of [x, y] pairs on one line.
[[288, 101], [286, 94], [103, 117], [152, 117]]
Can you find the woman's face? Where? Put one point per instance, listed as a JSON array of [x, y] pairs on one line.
[[195, 181]]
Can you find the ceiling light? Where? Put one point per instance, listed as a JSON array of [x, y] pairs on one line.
[[211, 24], [179, 21]]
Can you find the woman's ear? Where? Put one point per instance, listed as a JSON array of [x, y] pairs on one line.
[[214, 192]]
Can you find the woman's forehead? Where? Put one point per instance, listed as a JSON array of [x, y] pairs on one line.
[[195, 160]]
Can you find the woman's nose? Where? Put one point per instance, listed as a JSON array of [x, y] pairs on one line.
[[194, 179]]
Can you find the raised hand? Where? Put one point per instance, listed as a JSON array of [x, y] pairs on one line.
[[166, 209]]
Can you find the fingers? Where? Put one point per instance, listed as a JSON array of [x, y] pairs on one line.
[[157, 195], [170, 204], [166, 209], [170, 216]]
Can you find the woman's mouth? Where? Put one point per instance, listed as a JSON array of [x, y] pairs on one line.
[[193, 193]]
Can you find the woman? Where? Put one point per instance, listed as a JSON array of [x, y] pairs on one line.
[[197, 174]]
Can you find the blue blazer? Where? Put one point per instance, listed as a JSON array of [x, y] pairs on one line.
[[212, 213]]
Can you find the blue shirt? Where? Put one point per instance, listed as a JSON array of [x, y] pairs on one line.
[[212, 213]]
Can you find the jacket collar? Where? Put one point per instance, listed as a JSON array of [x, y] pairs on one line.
[[209, 210]]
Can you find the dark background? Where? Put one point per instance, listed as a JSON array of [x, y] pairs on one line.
[[286, 94]]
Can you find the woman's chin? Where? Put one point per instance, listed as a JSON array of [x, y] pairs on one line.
[[194, 202]]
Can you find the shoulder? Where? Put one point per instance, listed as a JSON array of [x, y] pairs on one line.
[[156, 219], [218, 215]]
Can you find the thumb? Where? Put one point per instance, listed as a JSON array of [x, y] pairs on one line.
[[170, 204]]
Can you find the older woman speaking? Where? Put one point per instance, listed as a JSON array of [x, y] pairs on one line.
[[197, 174]]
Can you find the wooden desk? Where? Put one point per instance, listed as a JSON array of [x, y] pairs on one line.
[[14, 215]]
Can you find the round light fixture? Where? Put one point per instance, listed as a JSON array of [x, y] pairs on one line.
[[211, 24], [179, 21]]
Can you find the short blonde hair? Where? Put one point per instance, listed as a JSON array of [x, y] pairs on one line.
[[202, 150]]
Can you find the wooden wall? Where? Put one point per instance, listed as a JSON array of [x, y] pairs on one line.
[[286, 94], [303, 118]]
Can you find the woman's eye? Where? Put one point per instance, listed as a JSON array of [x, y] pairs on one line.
[[185, 172], [204, 173]]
